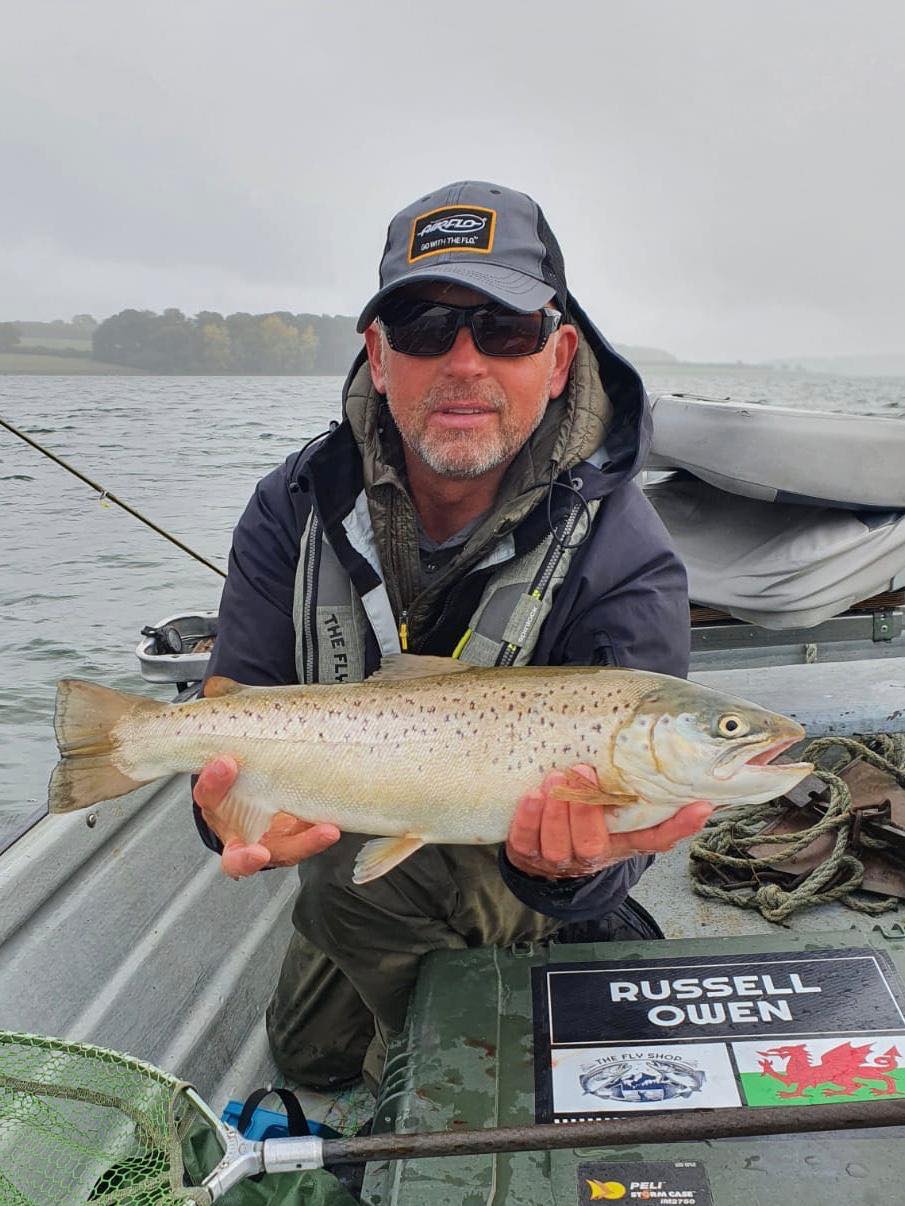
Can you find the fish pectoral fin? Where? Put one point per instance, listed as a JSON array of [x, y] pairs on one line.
[[377, 857], [578, 789], [397, 667]]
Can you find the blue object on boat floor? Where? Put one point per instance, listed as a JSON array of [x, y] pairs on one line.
[[271, 1124]]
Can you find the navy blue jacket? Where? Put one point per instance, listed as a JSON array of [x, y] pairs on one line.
[[624, 601]]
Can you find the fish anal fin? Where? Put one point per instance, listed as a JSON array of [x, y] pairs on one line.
[[242, 816], [579, 788], [218, 685], [397, 667], [380, 855]]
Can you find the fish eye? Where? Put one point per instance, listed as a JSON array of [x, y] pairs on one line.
[[731, 725]]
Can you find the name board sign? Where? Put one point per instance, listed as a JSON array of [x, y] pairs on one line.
[[671, 1033]]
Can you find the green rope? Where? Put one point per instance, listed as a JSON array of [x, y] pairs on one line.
[[725, 840]]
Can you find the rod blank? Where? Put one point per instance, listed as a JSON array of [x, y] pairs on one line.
[[678, 1127]]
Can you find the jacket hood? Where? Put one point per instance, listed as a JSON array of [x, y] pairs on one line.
[[600, 422], [602, 417]]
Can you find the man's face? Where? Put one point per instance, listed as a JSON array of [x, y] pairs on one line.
[[463, 413]]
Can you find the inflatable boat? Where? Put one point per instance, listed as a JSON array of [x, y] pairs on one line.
[[782, 454], [785, 519]]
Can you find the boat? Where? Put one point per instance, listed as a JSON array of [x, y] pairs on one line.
[[782, 454], [118, 929]]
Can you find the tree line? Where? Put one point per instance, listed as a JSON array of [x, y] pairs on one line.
[[239, 343], [171, 342]]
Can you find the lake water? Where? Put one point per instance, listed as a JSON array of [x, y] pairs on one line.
[[81, 578]]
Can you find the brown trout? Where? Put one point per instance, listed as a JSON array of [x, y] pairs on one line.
[[430, 749]]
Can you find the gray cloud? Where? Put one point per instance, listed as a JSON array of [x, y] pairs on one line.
[[724, 177]]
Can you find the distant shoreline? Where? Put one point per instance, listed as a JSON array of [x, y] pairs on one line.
[[35, 364]]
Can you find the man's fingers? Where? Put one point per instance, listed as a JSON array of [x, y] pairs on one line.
[[288, 849], [660, 838], [524, 832], [214, 781], [590, 836], [239, 860], [276, 850], [555, 833]]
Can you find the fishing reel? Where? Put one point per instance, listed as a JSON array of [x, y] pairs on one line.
[[166, 639]]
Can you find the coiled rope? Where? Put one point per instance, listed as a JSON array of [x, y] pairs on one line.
[[725, 840]]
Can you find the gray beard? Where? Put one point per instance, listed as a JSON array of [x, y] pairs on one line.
[[463, 454]]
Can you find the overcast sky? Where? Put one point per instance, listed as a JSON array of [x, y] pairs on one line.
[[725, 177]]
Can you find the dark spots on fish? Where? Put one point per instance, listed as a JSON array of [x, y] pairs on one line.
[[277, 707], [597, 728], [615, 709]]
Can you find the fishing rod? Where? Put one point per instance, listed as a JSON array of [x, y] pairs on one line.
[[108, 494]]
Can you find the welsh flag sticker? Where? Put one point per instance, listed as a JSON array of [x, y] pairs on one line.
[[814, 1071]]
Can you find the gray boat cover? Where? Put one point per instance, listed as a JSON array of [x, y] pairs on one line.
[[783, 454], [778, 565]]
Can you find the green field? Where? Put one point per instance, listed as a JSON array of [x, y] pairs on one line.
[[61, 344], [24, 362], [764, 1091]]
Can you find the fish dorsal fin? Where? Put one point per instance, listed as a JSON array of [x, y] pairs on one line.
[[218, 685], [399, 666]]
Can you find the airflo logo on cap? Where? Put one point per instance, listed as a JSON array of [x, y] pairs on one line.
[[452, 228]]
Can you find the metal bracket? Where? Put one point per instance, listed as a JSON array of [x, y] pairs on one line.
[[884, 625]]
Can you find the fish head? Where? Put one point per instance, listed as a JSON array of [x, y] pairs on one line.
[[688, 742]]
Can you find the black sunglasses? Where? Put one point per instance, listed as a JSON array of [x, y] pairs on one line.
[[426, 328]]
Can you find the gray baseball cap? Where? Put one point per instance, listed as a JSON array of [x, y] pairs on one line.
[[481, 235]]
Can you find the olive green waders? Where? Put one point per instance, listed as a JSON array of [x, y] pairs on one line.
[[352, 962]]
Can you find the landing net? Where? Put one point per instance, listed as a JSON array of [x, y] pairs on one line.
[[83, 1124]]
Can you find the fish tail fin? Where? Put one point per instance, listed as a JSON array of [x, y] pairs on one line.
[[86, 715]]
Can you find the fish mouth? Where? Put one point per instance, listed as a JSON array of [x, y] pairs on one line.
[[763, 760]]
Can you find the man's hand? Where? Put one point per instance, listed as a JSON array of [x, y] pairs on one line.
[[558, 839], [288, 840]]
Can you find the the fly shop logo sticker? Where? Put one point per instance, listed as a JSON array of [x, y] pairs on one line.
[[688, 1033], [642, 1076], [452, 228], [626, 1079]]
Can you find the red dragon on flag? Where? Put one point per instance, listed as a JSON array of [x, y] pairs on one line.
[[844, 1065]]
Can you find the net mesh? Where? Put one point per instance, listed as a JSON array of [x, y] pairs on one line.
[[83, 1124]]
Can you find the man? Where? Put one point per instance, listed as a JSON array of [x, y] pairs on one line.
[[476, 500]]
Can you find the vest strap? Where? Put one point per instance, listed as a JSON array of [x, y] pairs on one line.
[[332, 619]]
